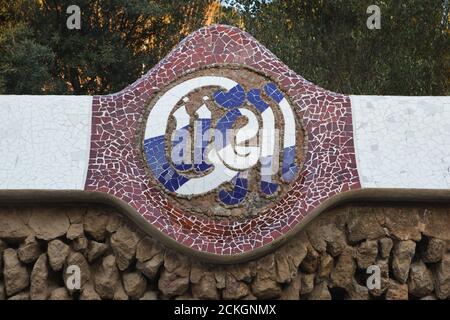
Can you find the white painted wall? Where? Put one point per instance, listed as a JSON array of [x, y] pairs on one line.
[[44, 141], [402, 142]]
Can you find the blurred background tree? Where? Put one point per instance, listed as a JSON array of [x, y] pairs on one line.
[[118, 41], [327, 42]]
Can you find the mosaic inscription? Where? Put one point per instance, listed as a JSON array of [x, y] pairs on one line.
[[223, 142]]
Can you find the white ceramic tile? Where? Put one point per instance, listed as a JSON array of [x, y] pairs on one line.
[[181, 117], [289, 123], [44, 141], [237, 162], [250, 129], [268, 136], [402, 142], [203, 112]]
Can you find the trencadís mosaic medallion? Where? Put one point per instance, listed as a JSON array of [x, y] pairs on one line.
[[220, 150], [223, 142]]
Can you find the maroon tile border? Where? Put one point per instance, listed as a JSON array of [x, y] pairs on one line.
[[116, 167]]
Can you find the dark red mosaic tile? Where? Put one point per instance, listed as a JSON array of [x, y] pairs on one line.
[[116, 165]]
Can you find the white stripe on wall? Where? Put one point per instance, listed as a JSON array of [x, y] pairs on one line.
[[44, 141], [402, 142]]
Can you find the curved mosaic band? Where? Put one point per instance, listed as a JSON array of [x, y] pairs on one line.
[[353, 142]]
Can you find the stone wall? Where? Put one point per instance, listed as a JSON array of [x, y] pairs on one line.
[[328, 260]]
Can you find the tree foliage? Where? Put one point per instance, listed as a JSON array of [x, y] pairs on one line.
[[117, 42], [327, 42], [24, 62]]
